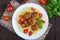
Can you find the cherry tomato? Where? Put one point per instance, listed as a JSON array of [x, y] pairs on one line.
[[43, 2], [9, 8], [30, 33], [20, 21], [6, 18], [40, 14], [25, 1], [33, 9], [25, 31], [42, 21], [21, 16]]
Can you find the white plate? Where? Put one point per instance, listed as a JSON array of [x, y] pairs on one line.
[[40, 32]]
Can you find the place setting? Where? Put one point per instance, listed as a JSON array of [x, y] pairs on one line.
[[29, 19]]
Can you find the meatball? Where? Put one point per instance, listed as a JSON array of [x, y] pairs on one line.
[[25, 24], [27, 15], [32, 21], [34, 27], [35, 15]]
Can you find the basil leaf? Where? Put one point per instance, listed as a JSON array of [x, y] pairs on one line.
[[53, 1], [48, 7], [58, 14], [54, 10], [39, 23], [50, 15], [39, 19], [58, 4]]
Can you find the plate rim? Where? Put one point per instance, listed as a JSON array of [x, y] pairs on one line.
[[15, 11]]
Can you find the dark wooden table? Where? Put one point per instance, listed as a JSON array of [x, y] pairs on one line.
[[5, 34]]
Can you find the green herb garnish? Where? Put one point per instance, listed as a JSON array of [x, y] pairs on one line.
[[53, 8], [39, 23]]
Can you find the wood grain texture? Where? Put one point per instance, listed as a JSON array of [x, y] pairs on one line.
[[5, 34]]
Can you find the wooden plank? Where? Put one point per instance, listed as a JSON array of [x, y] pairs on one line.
[[5, 34], [57, 28], [52, 33]]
